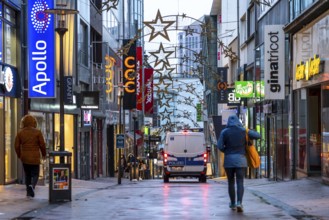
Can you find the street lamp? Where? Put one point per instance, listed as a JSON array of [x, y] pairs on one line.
[[120, 96], [134, 116], [61, 28]]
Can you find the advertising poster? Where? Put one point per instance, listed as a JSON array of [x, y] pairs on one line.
[[61, 178]]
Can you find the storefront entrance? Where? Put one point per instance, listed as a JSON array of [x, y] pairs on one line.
[[314, 126], [308, 140]]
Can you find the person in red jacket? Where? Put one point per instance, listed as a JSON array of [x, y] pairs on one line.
[[29, 146]]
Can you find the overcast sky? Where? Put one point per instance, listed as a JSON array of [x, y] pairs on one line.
[[193, 8]]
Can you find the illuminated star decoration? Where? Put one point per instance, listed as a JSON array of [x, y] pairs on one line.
[[199, 58], [166, 115], [165, 75], [161, 56], [107, 6], [155, 26], [189, 31], [162, 87]]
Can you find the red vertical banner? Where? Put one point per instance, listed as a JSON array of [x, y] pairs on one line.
[[148, 82], [139, 85]]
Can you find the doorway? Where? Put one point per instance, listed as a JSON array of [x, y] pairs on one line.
[[314, 130]]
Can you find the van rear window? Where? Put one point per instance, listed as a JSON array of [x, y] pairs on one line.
[[172, 138]]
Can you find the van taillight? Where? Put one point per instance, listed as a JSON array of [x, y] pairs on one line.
[[165, 159], [205, 158]]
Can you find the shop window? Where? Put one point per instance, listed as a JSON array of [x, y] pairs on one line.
[[325, 131], [11, 122], [68, 135], [9, 37], [301, 130]]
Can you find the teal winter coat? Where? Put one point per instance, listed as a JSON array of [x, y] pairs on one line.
[[232, 142]]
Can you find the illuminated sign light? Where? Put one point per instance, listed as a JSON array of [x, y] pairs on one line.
[[89, 100], [309, 69], [41, 38], [129, 74], [109, 71]]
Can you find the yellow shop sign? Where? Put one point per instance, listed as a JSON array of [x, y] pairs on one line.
[[310, 68]]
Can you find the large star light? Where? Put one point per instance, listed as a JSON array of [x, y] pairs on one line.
[[161, 56], [159, 27]]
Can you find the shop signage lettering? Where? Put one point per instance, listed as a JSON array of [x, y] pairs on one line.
[[68, 86], [109, 72], [274, 62], [309, 69], [129, 76], [41, 38]]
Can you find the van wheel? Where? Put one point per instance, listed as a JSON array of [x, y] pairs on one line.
[[165, 179], [202, 179]]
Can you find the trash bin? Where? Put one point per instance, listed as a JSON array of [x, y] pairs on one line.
[[60, 181]]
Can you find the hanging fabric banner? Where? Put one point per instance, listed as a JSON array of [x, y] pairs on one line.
[[148, 82]]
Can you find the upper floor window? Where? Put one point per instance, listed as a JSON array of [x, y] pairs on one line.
[[251, 21], [297, 7], [9, 42], [265, 6], [83, 44]]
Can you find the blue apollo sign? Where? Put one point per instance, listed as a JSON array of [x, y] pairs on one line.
[[41, 40]]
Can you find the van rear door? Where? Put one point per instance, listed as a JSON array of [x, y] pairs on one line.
[[176, 149], [194, 149]]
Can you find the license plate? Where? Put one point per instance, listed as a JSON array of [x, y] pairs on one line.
[[176, 168], [175, 163]]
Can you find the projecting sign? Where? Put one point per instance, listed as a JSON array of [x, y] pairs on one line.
[[41, 40], [274, 65], [120, 141], [89, 100]]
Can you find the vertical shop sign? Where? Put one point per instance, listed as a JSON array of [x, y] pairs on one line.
[[68, 87], [199, 112], [274, 73], [41, 40], [222, 84], [139, 93], [109, 73], [148, 90], [129, 76]]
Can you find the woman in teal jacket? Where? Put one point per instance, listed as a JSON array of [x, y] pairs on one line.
[[232, 142]]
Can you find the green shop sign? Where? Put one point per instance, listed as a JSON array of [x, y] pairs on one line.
[[245, 89]]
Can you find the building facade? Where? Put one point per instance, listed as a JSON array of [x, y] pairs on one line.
[[90, 64], [290, 113]]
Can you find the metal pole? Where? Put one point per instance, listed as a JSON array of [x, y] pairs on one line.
[[135, 147], [120, 99], [61, 32]]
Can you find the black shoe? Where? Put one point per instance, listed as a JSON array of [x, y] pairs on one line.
[[30, 191]]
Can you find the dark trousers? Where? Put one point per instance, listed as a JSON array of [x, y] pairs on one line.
[[235, 175], [31, 174]]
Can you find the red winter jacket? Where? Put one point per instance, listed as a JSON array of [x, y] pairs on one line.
[[29, 142]]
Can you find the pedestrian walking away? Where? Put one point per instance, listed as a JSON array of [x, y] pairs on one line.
[[29, 146], [232, 142]]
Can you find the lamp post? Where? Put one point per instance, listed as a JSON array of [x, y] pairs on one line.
[[134, 116], [61, 14], [120, 96]]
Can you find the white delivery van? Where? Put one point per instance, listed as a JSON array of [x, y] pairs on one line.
[[185, 155]]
